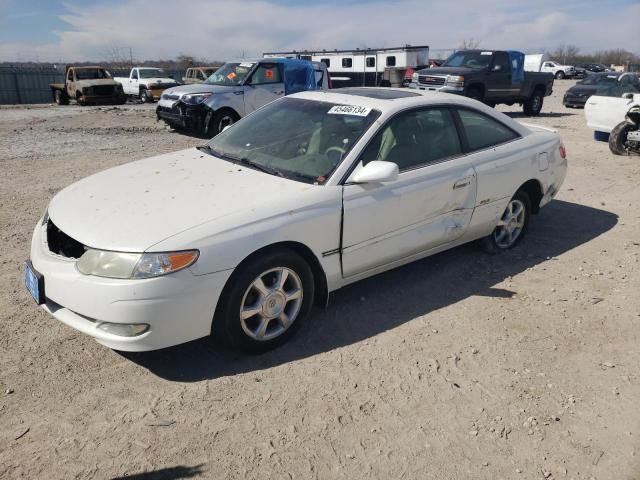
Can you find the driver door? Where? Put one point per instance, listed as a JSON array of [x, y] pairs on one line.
[[429, 205], [501, 84], [265, 85]]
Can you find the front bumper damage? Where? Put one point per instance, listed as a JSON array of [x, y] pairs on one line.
[[188, 117]]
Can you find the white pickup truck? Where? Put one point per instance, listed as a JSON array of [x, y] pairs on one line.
[[146, 83], [539, 62]]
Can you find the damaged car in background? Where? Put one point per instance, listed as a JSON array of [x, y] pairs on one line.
[[237, 89]]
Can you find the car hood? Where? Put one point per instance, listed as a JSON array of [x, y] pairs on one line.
[[132, 207], [199, 88], [448, 71]]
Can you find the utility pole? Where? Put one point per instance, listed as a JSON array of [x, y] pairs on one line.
[[130, 57]]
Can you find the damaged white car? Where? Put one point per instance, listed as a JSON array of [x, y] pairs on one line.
[[241, 237]]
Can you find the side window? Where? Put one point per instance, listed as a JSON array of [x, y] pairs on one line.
[[371, 62], [482, 131], [502, 60], [347, 62], [201, 75], [326, 61], [391, 61], [134, 74], [416, 138], [70, 75], [305, 57], [266, 73]]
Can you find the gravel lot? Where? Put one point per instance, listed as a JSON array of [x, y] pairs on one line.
[[517, 366]]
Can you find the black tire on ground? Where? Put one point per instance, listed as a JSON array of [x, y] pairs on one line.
[[61, 97], [227, 326], [215, 122], [80, 99], [560, 75], [618, 138], [490, 244], [145, 96], [533, 104]]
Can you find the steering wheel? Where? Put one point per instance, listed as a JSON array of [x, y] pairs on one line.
[[340, 150]]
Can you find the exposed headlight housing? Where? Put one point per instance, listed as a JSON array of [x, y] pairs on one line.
[[104, 263], [455, 81], [414, 77], [195, 98]]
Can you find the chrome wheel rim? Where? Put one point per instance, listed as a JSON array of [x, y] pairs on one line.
[[536, 103], [271, 304], [510, 226]]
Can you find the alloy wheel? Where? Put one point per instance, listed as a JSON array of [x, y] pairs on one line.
[[511, 224]]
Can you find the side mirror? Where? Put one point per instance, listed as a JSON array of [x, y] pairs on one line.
[[377, 172], [496, 68]]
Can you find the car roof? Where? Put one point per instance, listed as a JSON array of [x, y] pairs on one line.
[[385, 99]]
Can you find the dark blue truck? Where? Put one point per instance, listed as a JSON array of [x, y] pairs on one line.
[[491, 76]]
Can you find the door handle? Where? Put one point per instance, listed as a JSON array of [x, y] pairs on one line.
[[465, 182]]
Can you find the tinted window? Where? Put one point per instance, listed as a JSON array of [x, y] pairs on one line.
[[347, 62], [266, 73], [391, 61], [415, 138], [326, 61], [371, 62], [482, 131], [502, 60], [305, 57]]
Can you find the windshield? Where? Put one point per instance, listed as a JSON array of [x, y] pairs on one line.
[[230, 74], [91, 73], [475, 60], [295, 138], [151, 73]]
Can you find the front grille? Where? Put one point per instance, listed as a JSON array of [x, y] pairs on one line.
[[62, 244], [430, 80], [103, 90]]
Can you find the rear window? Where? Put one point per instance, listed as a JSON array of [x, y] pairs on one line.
[[482, 131]]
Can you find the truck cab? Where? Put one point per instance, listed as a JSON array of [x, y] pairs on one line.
[[197, 74], [237, 89]]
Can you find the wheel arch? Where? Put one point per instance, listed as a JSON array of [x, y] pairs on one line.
[[319, 275], [533, 188], [478, 86]]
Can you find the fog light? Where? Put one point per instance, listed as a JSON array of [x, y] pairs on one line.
[[124, 329]]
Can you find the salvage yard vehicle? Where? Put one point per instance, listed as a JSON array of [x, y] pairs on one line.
[[88, 85], [490, 76], [618, 117], [198, 74], [237, 89], [240, 238], [609, 84], [146, 83]]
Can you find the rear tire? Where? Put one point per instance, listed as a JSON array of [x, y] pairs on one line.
[[264, 302], [512, 226], [533, 104], [61, 97], [618, 138]]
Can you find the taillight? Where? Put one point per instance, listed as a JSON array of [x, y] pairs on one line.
[[330, 82], [563, 151]]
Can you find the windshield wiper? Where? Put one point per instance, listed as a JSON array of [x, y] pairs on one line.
[[240, 161]]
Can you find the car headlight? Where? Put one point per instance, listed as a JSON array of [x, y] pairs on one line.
[[414, 77], [455, 81], [195, 98], [103, 263]]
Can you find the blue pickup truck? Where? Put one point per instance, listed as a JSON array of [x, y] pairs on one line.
[[491, 76]]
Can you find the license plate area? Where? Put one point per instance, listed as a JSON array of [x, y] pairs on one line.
[[34, 282]]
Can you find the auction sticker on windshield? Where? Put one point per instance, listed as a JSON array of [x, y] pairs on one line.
[[349, 110]]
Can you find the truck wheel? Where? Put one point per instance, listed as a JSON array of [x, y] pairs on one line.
[[215, 122], [618, 138], [533, 104], [80, 99], [145, 97], [560, 75], [61, 98]]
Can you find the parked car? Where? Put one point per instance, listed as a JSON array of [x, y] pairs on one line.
[[240, 238], [595, 67], [146, 83], [491, 76], [88, 85], [580, 72], [237, 89], [610, 84], [619, 117], [198, 74]]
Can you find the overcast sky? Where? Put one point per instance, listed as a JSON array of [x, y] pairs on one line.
[[54, 30]]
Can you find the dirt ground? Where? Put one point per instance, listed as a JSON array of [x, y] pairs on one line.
[[461, 366]]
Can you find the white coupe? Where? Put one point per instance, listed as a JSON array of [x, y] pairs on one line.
[[239, 238]]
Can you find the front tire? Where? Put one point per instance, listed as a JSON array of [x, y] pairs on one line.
[[215, 122], [511, 227], [61, 98], [476, 94], [265, 301], [618, 138], [145, 97], [560, 75]]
